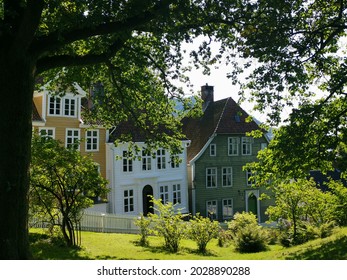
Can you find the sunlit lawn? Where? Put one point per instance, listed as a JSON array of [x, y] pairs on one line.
[[124, 247]]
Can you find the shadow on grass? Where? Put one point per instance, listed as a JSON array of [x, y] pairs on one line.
[[43, 249], [334, 250]]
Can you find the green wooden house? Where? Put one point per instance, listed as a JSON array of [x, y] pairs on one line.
[[218, 185]]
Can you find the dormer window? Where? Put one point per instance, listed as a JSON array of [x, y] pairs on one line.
[[62, 106]]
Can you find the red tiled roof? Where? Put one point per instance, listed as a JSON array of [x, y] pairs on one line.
[[220, 117]]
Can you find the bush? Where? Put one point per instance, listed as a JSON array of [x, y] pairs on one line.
[[202, 230], [143, 223], [169, 224], [248, 236], [224, 238]]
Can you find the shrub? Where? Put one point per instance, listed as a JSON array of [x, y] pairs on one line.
[[169, 224], [202, 230], [248, 236], [143, 223], [224, 238]]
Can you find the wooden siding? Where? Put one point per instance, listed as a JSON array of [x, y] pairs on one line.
[[239, 186]]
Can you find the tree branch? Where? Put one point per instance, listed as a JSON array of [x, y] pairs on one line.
[[59, 39], [57, 61]]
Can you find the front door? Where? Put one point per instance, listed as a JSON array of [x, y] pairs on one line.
[[147, 194]]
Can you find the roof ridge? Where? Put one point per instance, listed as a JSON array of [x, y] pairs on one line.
[[221, 115]]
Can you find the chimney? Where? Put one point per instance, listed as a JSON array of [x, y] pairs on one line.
[[206, 96]]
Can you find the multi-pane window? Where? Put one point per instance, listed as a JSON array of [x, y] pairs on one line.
[[211, 209], [175, 162], [92, 140], [227, 176], [227, 209], [233, 146], [211, 177], [54, 105], [72, 138], [47, 132], [176, 193], [164, 194], [249, 179], [146, 160], [127, 162], [128, 201], [213, 150], [247, 145], [69, 107], [161, 159]]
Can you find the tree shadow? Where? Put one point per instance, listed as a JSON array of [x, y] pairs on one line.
[[334, 250], [42, 248]]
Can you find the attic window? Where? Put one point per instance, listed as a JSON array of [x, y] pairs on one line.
[[237, 118]]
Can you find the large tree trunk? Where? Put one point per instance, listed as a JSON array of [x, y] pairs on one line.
[[16, 89]]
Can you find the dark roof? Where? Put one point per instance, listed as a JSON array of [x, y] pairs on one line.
[[220, 117], [321, 179], [36, 116]]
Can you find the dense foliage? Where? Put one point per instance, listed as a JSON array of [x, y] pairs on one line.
[[62, 184]]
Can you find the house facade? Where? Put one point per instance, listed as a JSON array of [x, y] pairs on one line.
[[220, 147], [134, 180], [60, 117]]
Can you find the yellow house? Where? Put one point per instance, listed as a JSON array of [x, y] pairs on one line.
[[60, 117]]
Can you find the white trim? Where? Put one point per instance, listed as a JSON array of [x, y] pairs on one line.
[[92, 137], [203, 149], [79, 136], [256, 194]]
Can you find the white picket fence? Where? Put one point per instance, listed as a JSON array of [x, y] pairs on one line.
[[99, 222], [103, 222]]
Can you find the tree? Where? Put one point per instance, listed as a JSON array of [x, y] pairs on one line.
[[133, 47], [62, 184], [300, 204], [297, 53]]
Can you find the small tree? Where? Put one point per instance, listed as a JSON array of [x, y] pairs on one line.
[[62, 184], [299, 205], [143, 223], [168, 223], [202, 230]]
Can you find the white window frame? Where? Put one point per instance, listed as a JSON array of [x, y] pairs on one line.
[[46, 130], [227, 203], [127, 162], [176, 194], [175, 161], [66, 107], [164, 193], [213, 150], [249, 174], [246, 146], [74, 137], [128, 201], [146, 160], [212, 205], [56, 105], [233, 146], [92, 140], [211, 176], [227, 171], [161, 159], [70, 106]]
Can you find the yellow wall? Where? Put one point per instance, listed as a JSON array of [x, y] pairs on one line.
[[60, 124]]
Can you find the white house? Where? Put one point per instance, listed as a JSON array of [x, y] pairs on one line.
[[133, 180]]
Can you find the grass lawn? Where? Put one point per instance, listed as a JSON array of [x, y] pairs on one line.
[[111, 246]]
